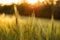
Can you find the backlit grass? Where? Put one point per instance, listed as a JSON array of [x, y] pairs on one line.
[[28, 28]]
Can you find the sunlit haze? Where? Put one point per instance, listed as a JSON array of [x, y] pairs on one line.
[[32, 1], [41, 0], [8, 2]]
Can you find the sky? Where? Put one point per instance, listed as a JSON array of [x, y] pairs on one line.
[[10, 1], [14, 1], [7, 2]]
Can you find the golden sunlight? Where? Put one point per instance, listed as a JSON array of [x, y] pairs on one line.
[[5, 2], [31, 1], [15, 1], [41, 1], [8, 2]]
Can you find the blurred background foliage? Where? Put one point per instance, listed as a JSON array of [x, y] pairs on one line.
[[42, 11]]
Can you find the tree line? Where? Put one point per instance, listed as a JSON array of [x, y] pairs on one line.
[[44, 11]]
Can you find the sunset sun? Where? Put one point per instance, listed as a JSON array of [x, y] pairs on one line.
[[41, 1], [32, 1]]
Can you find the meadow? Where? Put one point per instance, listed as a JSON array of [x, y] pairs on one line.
[[28, 28]]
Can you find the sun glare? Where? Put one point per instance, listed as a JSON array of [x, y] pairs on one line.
[[32, 1], [41, 1], [8, 2], [15, 1], [5, 2]]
